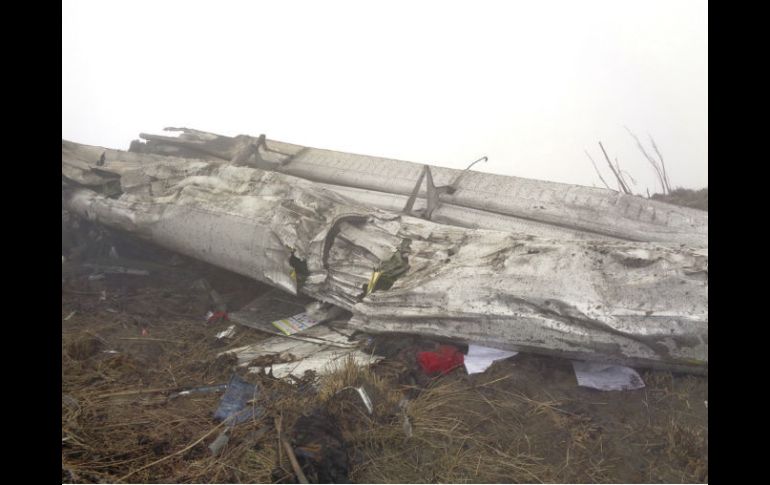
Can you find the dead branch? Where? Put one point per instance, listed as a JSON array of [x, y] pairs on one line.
[[662, 164], [597, 171], [650, 159], [289, 452], [617, 175]]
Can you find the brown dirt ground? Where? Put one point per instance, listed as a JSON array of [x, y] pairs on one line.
[[523, 420]]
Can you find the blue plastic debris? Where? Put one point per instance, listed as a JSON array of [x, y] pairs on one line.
[[234, 405]]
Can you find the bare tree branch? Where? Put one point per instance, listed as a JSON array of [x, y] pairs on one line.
[[662, 164], [623, 173], [617, 175], [597, 171], [650, 159]]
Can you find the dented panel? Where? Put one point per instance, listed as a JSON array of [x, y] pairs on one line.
[[637, 303]]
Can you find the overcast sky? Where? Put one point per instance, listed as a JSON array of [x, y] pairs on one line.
[[529, 84]]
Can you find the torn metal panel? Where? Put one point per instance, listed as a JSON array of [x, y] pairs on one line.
[[614, 301], [617, 301], [246, 220], [267, 308], [594, 210], [460, 216], [319, 349]]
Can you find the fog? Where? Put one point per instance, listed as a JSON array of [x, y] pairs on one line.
[[531, 85]]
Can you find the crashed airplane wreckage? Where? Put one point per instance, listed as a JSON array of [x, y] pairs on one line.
[[499, 261]]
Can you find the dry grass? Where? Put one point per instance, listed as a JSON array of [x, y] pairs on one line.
[[523, 420], [435, 437]]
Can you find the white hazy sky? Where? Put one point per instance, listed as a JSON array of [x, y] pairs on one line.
[[529, 84]]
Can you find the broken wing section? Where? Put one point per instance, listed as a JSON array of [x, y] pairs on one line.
[[246, 220], [633, 303], [511, 201], [616, 302]]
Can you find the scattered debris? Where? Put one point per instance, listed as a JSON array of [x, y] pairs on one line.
[[450, 429], [268, 307], [364, 397], [317, 349], [220, 442], [234, 406], [606, 377], [445, 359], [424, 275], [214, 317], [295, 324], [480, 358], [323, 312], [557, 278], [227, 333], [199, 390]]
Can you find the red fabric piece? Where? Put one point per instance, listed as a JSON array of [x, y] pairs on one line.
[[442, 361], [217, 316]]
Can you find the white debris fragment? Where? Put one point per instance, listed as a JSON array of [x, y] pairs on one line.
[[480, 358], [365, 399], [606, 377], [227, 333], [295, 324], [320, 349]]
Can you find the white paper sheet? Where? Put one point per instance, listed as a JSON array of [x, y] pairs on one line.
[[480, 358], [606, 377]]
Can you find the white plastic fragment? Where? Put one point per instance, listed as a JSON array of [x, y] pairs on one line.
[[227, 333], [220, 442], [480, 358], [606, 377], [365, 399]]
